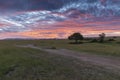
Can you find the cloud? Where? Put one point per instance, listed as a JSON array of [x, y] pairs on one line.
[[94, 7], [59, 18], [29, 20]]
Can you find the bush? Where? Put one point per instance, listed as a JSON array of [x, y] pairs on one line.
[[111, 40], [53, 47], [94, 40]]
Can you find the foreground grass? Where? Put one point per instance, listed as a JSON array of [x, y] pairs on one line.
[[30, 64]]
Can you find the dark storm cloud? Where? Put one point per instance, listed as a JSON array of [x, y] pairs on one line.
[[94, 7], [30, 4], [12, 4]]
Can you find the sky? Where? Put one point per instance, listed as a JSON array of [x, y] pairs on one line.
[[58, 18]]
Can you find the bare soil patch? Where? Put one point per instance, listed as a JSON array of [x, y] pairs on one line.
[[109, 62]]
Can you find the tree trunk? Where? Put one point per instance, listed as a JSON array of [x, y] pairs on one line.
[[76, 41]]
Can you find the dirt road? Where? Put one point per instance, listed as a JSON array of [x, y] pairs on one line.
[[112, 63]]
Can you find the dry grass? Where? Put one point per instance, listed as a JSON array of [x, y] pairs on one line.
[[30, 64], [107, 48]]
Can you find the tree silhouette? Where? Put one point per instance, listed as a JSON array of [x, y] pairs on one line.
[[101, 37], [76, 37]]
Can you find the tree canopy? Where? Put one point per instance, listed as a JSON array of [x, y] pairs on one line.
[[76, 37], [101, 37]]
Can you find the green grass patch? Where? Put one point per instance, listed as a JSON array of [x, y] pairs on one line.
[[31, 64], [107, 48]]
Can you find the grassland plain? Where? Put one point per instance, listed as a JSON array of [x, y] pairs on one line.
[[30, 64], [111, 48]]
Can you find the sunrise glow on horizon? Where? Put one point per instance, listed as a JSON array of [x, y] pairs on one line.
[[58, 18]]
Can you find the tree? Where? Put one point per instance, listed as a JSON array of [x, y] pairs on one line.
[[101, 37], [76, 37]]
